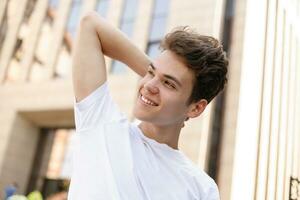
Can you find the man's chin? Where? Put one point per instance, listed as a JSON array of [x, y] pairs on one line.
[[141, 116]]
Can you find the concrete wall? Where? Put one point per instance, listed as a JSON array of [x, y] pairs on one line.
[[25, 108]]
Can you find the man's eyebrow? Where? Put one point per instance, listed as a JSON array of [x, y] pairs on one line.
[[167, 76], [152, 66]]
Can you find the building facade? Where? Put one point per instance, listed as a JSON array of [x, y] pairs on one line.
[[248, 139]]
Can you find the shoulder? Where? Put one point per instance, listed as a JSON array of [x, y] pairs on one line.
[[206, 186]]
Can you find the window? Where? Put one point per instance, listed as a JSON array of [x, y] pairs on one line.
[[161, 8], [74, 17], [158, 26], [52, 7], [126, 26], [153, 49], [102, 7], [53, 4]]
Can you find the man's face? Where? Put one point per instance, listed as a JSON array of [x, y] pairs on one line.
[[164, 91]]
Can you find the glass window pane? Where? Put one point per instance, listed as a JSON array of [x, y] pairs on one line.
[[230, 9], [127, 28], [153, 50], [130, 9], [102, 7], [161, 7], [118, 68], [53, 3], [158, 28], [74, 17]]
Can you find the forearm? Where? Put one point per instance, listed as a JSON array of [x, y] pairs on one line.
[[116, 45]]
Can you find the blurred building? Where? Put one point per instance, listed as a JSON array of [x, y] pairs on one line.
[[248, 139]]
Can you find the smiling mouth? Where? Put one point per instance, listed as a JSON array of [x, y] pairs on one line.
[[147, 101]]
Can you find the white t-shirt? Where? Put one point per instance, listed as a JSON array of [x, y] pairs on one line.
[[114, 160]]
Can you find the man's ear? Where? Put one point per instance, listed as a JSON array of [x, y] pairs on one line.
[[197, 108]]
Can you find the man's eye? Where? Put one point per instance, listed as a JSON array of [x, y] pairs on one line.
[[150, 72], [169, 84]]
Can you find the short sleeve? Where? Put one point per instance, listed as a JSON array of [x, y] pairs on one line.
[[98, 107], [213, 192]]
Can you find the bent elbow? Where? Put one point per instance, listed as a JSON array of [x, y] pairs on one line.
[[90, 18]]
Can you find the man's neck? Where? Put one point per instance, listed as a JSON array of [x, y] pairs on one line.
[[163, 134]]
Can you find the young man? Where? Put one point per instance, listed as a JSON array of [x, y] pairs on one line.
[[118, 160]]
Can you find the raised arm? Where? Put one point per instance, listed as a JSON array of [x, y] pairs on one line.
[[95, 39]]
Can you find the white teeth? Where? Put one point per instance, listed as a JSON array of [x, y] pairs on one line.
[[147, 101]]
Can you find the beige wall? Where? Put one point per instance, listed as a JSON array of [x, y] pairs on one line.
[[19, 154], [25, 108]]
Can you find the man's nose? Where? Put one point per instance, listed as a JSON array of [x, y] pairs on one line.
[[151, 86]]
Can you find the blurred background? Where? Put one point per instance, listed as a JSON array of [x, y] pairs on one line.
[[248, 139]]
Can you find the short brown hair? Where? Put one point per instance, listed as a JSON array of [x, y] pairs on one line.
[[202, 54]]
